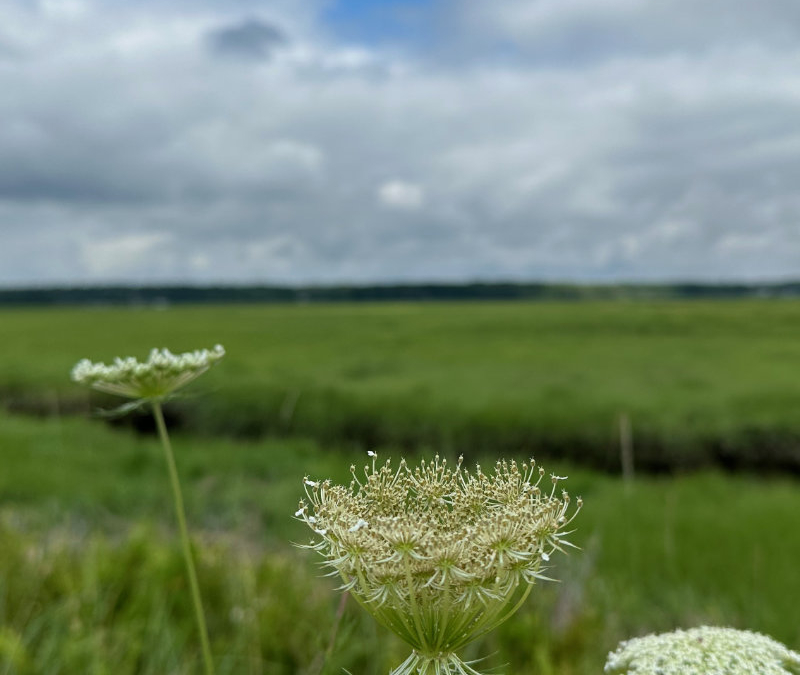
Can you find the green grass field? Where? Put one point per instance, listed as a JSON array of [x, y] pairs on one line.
[[702, 382], [91, 579]]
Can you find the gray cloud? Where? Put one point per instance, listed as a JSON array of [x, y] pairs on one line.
[[128, 151], [574, 33], [249, 39]]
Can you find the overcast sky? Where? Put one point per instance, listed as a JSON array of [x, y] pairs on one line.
[[320, 141]]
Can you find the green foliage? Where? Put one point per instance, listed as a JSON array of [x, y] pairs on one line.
[[703, 382], [163, 295], [81, 603], [91, 579], [91, 576]]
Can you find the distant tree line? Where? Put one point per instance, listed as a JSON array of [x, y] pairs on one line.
[[167, 295]]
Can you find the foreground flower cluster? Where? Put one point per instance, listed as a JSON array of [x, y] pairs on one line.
[[703, 651], [439, 555], [160, 375]]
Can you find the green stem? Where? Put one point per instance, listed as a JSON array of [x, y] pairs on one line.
[[494, 622], [415, 613], [388, 620], [444, 613], [187, 549]]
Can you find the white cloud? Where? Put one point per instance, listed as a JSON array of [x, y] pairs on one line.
[[580, 32], [399, 194], [64, 8], [328, 160], [739, 242], [114, 256]]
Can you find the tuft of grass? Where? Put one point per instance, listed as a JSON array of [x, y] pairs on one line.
[[79, 603]]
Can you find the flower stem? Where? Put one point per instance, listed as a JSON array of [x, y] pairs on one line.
[[423, 641], [187, 550]]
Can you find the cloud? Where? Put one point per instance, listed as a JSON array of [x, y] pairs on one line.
[[314, 158], [248, 39], [575, 33], [117, 255], [400, 194]]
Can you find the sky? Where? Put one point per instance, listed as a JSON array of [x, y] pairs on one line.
[[368, 141]]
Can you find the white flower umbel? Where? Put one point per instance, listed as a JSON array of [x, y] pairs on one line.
[[438, 555], [159, 376], [153, 381], [703, 651]]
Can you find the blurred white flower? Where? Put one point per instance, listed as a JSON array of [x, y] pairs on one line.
[[706, 650], [156, 378]]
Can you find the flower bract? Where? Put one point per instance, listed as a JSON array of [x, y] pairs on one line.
[[156, 378], [706, 650], [438, 555]]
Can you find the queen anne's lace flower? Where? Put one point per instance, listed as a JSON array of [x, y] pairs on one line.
[[160, 375], [150, 383], [703, 651], [440, 556]]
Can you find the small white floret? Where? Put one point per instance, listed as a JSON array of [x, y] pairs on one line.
[[359, 524]]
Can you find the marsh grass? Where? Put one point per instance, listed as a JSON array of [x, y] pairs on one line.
[[92, 567], [91, 579], [703, 383], [73, 602]]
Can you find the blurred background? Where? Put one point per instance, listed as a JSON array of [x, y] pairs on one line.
[[563, 229]]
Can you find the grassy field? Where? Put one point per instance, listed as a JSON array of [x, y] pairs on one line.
[[91, 579], [702, 382]]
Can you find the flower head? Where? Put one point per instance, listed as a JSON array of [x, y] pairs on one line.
[[706, 650], [159, 376], [439, 555]]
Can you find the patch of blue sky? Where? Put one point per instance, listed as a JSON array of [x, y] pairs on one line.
[[380, 21]]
